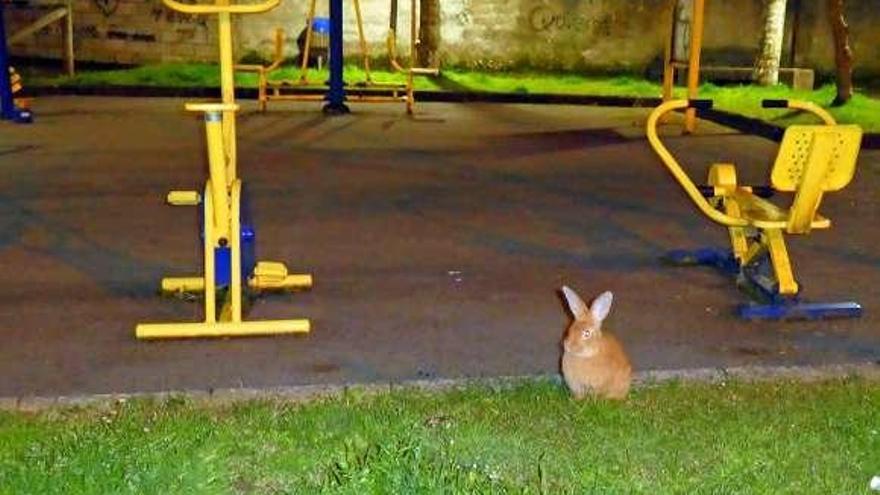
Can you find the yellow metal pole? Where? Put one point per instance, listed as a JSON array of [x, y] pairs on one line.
[[690, 124], [149, 331], [68, 43], [365, 50], [413, 55], [235, 246], [781, 262], [208, 253], [668, 68], [217, 169], [414, 34], [227, 89], [304, 63]]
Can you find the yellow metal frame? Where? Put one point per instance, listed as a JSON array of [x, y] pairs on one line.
[[670, 66], [275, 89], [221, 200], [57, 14], [812, 160]]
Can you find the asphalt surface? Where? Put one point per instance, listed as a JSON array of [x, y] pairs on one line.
[[437, 244]]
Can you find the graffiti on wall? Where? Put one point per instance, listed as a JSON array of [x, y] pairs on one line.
[[549, 18], [106, 7], [130, 35], [161, 13]]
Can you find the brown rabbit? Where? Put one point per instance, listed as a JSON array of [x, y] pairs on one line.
[[593, 362]]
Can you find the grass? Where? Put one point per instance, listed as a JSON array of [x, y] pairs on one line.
[[743, 99], [746, 100], [781, 437]]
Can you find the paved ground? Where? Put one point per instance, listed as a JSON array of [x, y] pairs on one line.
[[437, 244]]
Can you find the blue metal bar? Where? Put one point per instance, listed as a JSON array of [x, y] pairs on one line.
[[336, 95], [757, 281], [718, 258], [7, 108], [800, 311]]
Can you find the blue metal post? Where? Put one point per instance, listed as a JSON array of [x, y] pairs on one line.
[[7, 105], [7, 109], [336, 94]]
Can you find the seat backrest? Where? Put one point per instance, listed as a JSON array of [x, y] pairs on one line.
[[814, 159]]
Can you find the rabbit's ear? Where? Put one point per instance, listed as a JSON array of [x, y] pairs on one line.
[[577, 306], [601, 306]]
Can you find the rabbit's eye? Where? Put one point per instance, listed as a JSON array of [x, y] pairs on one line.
[[587, 334]]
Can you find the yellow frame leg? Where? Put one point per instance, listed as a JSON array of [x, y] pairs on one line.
[[722, 176], [781, 262], [153, 331]]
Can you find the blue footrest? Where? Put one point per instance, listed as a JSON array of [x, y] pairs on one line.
[[800, 311]]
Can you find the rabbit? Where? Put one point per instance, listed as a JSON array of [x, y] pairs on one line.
[[593, 362]]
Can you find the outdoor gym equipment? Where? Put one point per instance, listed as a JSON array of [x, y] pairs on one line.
[[227, 232], [812, 160], [10, 83], [370, 90]]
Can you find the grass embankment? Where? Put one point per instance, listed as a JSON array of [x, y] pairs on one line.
[[771, 438], [742, 99]]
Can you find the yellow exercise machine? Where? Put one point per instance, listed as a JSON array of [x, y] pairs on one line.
[[370, 89], [229, 240], [812, 160]]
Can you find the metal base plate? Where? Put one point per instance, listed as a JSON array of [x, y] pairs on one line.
[[769, 304], [799, 311]]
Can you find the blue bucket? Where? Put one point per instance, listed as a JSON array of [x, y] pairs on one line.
[[321, 25]]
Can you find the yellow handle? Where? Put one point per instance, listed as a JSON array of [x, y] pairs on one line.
[[816, 110], [672, 164], [255, 8], [211, 107], [184, 198]]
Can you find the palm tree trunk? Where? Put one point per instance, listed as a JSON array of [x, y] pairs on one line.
[[429, 33], [843, 56], [767, 64]]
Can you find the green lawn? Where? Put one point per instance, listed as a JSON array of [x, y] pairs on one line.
[[770, 438], [745, 100]]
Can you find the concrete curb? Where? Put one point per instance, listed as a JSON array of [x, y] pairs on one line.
[[304, 393]]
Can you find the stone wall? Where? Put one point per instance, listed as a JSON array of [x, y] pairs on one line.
[[583, 35]]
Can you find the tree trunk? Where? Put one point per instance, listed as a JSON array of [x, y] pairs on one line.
[[767, 64], [429, 33], [843, 56]]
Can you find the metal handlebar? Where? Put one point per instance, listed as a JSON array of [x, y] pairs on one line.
[[672, 164], [806, 106], [255, 8]]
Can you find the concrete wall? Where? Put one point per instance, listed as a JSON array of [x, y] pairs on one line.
[[814, 43], [121, 31], [586, 35]]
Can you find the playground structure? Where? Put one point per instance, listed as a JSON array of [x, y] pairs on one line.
[[674, 60], [812, 160], [227, 233], [681, 55], [369, 90]]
